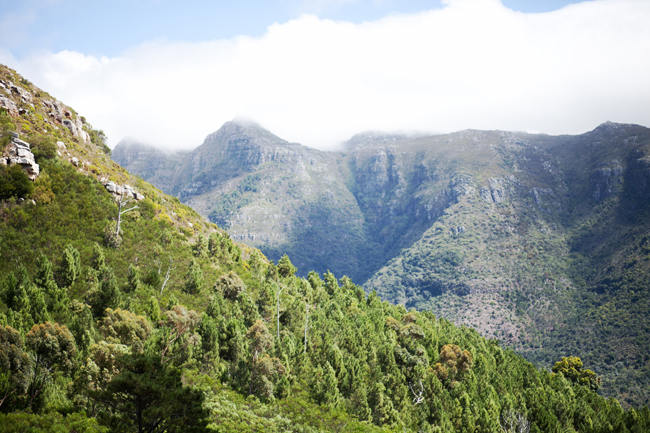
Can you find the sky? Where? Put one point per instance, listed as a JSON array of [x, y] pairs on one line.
[[318, 71]]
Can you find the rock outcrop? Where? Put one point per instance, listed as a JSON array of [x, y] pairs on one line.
[[121, 190], [19, 152]]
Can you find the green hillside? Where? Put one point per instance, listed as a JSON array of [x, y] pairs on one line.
[[538, 241], [173, 327]]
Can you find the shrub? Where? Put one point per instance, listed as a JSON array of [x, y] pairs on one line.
[[14, 182]]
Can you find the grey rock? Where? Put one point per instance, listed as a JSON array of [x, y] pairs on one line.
[[607, 180], [8, 105], [111, 187], [24, 95], [19, 153]]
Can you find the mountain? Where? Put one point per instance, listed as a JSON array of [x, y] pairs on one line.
[[540, 241], [123, 310]]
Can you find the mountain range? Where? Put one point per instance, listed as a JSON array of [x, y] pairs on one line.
[[540, 241]]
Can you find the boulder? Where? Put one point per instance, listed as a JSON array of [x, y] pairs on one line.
[[121, 190], [111, 187], [24, 95], [8, 105], [19, 153]]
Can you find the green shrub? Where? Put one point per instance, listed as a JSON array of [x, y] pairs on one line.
[[14, 182]]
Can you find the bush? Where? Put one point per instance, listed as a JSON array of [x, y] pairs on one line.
[[14, 182], [43, 147]]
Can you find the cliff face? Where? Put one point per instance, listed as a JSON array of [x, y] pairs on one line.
[[540, 241]]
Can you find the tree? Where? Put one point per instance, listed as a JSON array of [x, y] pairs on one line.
[[178, 330], [207, 329], [125, 327], [193, 278], [56, 297], [97, 260], [285, 267], [20, 422], [53, 346], [120, 204], [260, 337], [453, 363], [201, 247], [70, 267], [149, 397], [105, 292], [15, 367], [230, 285], [54, 350], [133, 279], [571, 368]]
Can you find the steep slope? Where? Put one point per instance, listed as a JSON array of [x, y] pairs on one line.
[[179, 329], [537, 240]]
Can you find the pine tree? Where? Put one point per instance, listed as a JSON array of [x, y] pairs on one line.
[[193, 278]]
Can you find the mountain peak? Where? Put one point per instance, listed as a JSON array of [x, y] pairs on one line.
[[243, 131], [609, 126]]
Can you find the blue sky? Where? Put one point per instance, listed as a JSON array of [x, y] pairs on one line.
[[318, 71], [106, 28]]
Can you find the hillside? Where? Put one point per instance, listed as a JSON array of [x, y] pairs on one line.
[[171, 326], [540, 241]]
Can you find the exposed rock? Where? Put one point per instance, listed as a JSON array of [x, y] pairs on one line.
[[61, 145], [605, 181], [8, 105], [24, 95], [60, 113], [496, 190], [19, 153], [121, 190], [75, 161]]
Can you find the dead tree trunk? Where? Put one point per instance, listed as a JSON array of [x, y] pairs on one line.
[[121, 203]]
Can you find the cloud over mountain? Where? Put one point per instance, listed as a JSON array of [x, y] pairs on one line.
[[471, 64]]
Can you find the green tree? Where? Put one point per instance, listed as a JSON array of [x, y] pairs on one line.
[[70, 267], [285, 267], [193, 278], [133, 279], [57, 298], [20, 422], [201, 247], [122, 326], [571, 368], [54, 351], [15, 368], [105, 292], [149, 397]]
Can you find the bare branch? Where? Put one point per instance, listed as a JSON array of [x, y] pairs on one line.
[[129, 209], [419, 396], [169, 268]]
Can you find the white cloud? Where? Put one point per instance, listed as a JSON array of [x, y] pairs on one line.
[[472, 64]]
